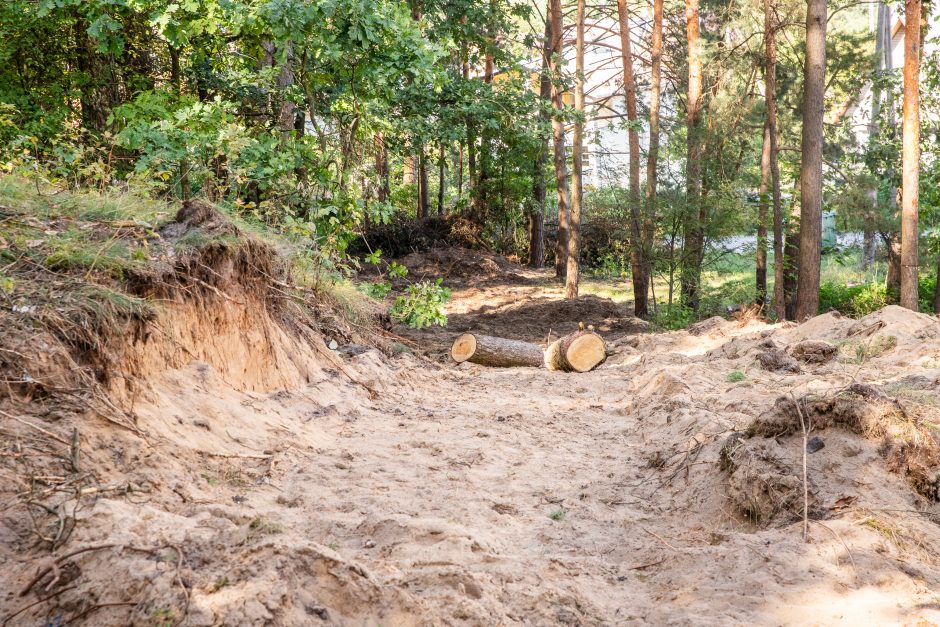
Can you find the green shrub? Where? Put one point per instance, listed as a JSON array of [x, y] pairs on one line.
[[715, 300], [852, 300], [871, 297], [673, 317], [926, 287], [422, 305]]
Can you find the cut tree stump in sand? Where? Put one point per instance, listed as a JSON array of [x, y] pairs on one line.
[[495, 351], [579, 352]]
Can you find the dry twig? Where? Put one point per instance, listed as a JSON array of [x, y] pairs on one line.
[[806, 430]]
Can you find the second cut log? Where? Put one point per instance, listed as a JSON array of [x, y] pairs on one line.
[[581, 351]]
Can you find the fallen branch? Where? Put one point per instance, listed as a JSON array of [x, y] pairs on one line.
[[237, 455], [803, 420], [37, 428], [58, 560]]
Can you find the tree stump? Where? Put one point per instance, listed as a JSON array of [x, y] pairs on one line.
[[579, 352], [495, 351]]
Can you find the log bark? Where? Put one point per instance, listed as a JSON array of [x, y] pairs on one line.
[[581, 351], [495, 351]]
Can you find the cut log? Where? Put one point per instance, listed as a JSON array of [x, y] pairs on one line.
[[495, 351], [579, 352]]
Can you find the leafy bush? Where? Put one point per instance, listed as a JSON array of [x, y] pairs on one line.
[[852, 300], [673, 317], [422, 305], [716, 300], [926, 287]]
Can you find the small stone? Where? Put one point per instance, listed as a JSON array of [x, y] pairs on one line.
[[369, 544], [814, 351], [815, 444], [778, 361]]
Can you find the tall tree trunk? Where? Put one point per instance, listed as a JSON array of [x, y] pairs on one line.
[[408, 170], [577, 150], [558, 136], [440, 181], [471, 143], [693, 225], [869, 244], [893, 274], [637, 261], [460, 170], [910, 155], [381, 167], [652, 156], [761, 253], [811, 181], [791, 253], [537, 210], [91, 97], [480, 199], [287, 112], [770, 101], [422, 182], [177, 82]]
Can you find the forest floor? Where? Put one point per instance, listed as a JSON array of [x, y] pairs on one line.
[[264, 481]]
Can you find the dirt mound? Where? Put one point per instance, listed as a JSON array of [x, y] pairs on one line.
[[462, 265], [405, 236]]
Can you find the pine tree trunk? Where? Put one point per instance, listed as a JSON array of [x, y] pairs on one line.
[[287, 111], [480, 199], [408, 170], [811, 181], [558, 136], [577, 180], [537, 210], [770, 100], [893, 275], [652, 158], [761, 252], [422, 183], [791, 252], [381, 168], [693, 227], [910, 155], [638, 263], [869, 245], [440, 181]]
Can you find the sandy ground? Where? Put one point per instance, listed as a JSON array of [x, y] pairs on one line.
[[409, 491]]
